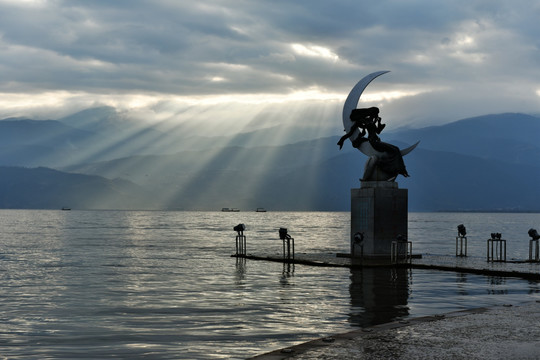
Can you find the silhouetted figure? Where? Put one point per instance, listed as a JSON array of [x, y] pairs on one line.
[[365, 120], [391, 161]]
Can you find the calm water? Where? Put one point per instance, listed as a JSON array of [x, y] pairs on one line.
[[162, 285]]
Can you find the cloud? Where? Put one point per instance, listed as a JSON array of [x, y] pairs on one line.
[[474, 56]]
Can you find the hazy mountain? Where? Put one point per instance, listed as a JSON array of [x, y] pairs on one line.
[[442, 181], [25, 142], [484, 163], [43, 188], [211, 179], [102, 119], [508, 137], [93, 135], [284, 180], [53, 133], [102, 134], [233, 158], [167, 138]]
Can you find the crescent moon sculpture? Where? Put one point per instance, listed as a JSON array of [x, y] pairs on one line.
[[354, 96], [372, 171]]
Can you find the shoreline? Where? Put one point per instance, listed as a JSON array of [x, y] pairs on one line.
[[498, 332]]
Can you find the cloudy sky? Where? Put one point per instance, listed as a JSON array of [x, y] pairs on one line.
[[269, 60]]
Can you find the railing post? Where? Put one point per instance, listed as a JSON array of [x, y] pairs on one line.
[[240, 240], [461, 238], [535, 237], [496, 248], [286, 238], [397, 249]]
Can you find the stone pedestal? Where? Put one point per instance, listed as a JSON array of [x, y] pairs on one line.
[[379, 211]]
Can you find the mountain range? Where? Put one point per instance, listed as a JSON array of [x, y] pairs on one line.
[[97, 159]]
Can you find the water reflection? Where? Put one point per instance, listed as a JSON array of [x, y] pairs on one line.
[[497, 285], [461, 283], [286, 274], [533, 287], [240, 275], [378, 295]]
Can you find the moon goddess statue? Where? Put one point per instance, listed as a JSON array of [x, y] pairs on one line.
[[385, 161]]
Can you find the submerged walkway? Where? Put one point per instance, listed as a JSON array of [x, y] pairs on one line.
[[471, 264], [502, 332]]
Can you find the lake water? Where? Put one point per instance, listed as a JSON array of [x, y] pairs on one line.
[[162, 285]]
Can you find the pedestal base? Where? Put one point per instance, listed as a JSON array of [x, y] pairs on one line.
[[379, 210]]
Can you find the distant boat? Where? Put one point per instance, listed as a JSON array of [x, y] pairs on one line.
[[66, 208], [260, 210], [230, 209]]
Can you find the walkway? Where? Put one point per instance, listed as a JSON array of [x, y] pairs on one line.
[[470, 264]]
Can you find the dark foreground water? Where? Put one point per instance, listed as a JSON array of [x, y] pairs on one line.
[[162, 285]]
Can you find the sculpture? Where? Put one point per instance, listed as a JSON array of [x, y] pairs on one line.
[[385, 161]]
